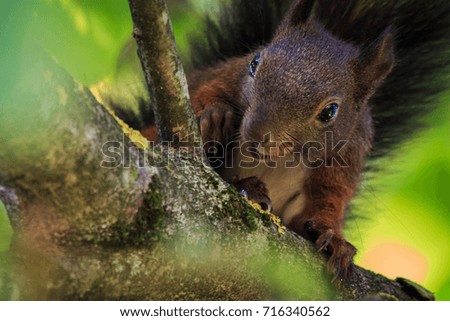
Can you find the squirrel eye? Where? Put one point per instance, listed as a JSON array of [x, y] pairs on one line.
[[253, 65], [328, 113]]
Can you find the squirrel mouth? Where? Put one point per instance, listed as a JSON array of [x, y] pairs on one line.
[[278, 150]]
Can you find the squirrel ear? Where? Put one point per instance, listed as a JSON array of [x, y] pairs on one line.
[[300, 12], [377, 61]]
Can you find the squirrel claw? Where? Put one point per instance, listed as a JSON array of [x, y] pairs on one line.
[[340, 262], [255, 190]]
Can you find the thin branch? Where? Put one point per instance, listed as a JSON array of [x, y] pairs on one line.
[[163, 71]]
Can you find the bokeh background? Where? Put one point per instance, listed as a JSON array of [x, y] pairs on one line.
[[402, 221]]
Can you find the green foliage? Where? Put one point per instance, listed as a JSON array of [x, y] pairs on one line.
[[6, 231], [406, 204], [86, 37], [444, 292]]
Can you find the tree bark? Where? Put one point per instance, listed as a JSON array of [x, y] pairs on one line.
[[98, 218], [163, 70]]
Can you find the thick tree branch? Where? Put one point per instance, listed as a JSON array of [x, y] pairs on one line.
[[168, 230], [163, 71]]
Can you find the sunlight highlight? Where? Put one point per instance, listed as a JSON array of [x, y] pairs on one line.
[[394, 259]]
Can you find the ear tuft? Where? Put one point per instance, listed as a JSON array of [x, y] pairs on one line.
[[300, 12], [377, 61]]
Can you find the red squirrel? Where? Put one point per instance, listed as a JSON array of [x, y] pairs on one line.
[[304, 83], [322, 86]]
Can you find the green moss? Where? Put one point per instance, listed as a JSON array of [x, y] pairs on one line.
[[213, 181], [154, 204], [147, 226], [246, 212], [250, 215]]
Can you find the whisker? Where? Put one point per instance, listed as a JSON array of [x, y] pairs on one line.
[[246, 101], [297, 146], [237, 106], [235, 136], [294, 139]]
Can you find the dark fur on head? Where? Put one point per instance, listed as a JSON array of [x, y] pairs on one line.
[[421, 29], [242, 27]]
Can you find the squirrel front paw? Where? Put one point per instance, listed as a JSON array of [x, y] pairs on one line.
[[254, 190], [216, 124], [341, 252]]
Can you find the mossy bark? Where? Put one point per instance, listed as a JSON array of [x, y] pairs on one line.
[[161, 225], [163, 72]]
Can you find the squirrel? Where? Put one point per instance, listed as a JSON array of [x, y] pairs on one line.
[[304, 83], [309, 91]]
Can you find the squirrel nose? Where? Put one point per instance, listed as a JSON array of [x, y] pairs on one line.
[[268, 146], [261, 150], [261, 145]]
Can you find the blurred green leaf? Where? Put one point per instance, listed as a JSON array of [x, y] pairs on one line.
[[84, 36], [444, 292], [6, 231]]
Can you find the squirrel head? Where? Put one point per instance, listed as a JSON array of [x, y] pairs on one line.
[[307, 82]]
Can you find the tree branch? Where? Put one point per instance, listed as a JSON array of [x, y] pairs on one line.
[[163, 70]]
